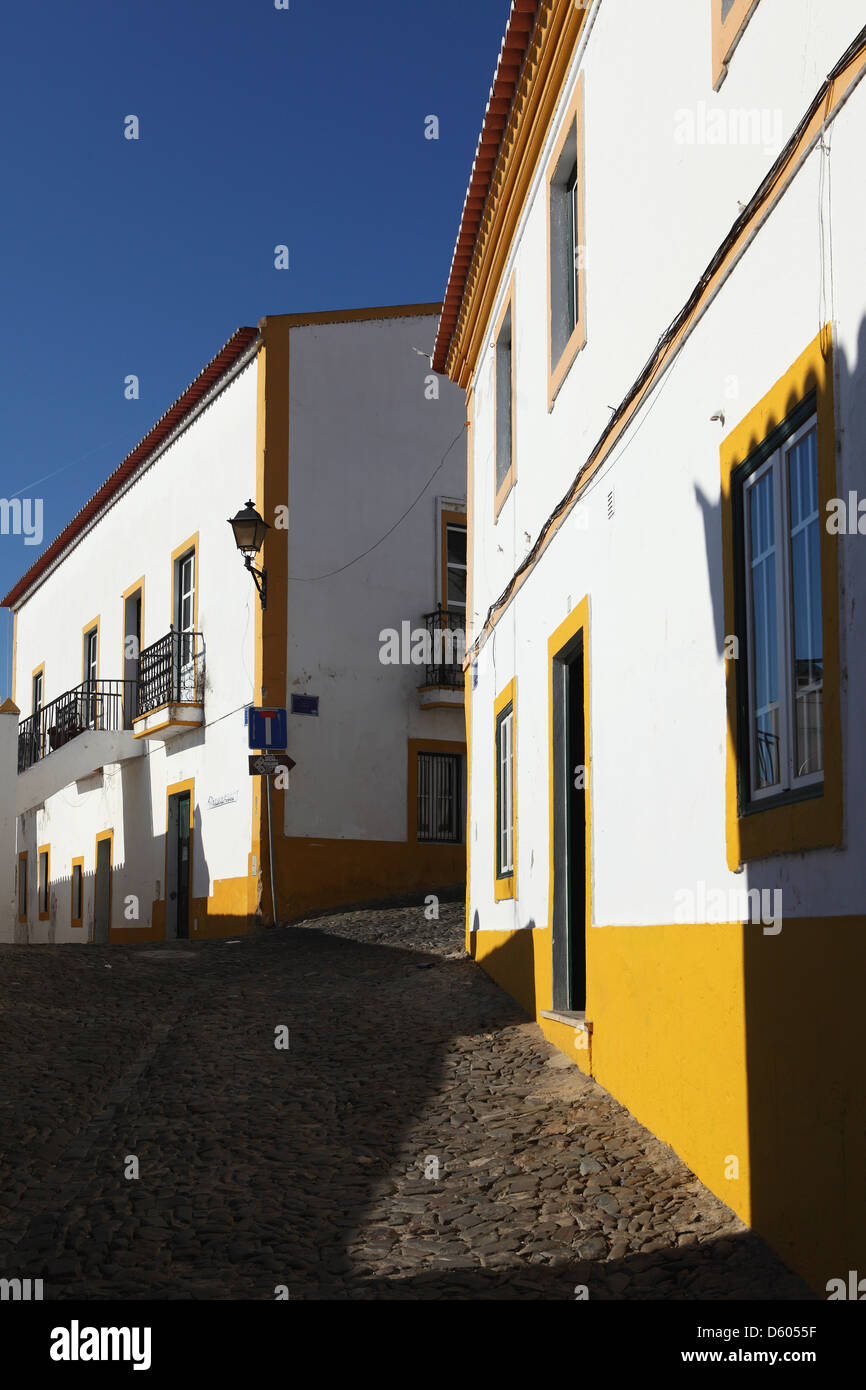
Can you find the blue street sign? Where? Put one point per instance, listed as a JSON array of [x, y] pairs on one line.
[[268, 728]]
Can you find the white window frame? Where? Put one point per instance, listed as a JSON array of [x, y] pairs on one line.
[[186, 592], [777, 466], [452, 565], [91, 656], [505, 798]]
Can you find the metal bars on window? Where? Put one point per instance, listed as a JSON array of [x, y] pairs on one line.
[[439, 797]]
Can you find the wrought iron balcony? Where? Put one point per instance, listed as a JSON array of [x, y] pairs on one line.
[[171, 672], [94, 705], [446, 647]]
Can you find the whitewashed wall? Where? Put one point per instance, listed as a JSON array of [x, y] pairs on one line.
[[655, 213], [363, 442], [199, 481]]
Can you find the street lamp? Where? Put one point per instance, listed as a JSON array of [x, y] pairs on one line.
[[249, 533]]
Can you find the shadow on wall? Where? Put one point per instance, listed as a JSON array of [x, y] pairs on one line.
[[145, 866], [511, 963], [803, 986]]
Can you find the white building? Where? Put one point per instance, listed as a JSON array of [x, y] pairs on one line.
[[141, 643], [657, 307]]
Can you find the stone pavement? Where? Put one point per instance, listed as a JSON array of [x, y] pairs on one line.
[[260, 1167]]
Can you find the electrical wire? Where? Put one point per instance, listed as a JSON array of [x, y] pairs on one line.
[[314, 578], [679, 322]]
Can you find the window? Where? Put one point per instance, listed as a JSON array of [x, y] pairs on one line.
[[44, 883], [454, 562], [77, 892], [504, 408], [184, 620], [784, 784], [730, 18], [90, 671], [572, 250], [565, 227], [505, 818], [37, 692], [22, 887], [91, 654], [185, 590], [782, 677], [439, 797]]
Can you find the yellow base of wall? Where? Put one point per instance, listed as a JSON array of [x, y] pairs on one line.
[[741, 1051], [227, 912], [315, 875]]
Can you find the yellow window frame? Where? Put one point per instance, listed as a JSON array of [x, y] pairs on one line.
[[815, 822]]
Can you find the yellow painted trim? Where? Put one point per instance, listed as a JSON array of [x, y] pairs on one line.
[[558, 371], [14, 653], [505, 887], [22, 917], [817, 821], [416, 746], [169, 724], [109, 836], [92, 626], [73, 920], [470, 510], [510, 478], [46, 850], [446, 519], [271, 626], [467, 686], [577, 621], [727, 34], [336, 874], [545, 70], [37, 671], [191, 544], [839, 92]]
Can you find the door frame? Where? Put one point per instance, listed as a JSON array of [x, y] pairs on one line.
[[109, 836], [569, 638], [178, 789]]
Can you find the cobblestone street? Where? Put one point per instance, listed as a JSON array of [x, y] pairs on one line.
[[305, 1167]]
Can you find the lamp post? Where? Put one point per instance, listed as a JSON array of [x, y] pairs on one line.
[[249, 533]]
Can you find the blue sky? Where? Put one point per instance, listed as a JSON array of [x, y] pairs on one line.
[[258, 126]]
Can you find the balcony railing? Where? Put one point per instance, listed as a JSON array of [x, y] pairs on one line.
[[95, 704], [446, 646], [171, 672]]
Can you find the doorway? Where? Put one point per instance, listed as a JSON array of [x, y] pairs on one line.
[[178, 866], [570, 826], [102, 892]]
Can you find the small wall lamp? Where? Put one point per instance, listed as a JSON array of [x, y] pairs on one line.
[[249, 533]]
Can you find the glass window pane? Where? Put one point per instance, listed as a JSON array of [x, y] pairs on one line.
[[456, 588], [765, 711], [504, 443], [571, 247], [807, 677], [456, 543]]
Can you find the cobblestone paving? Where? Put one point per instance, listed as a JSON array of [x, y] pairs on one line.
[[305, 1167]]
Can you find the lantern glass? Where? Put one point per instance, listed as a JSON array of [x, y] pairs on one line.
[[249, 530]]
